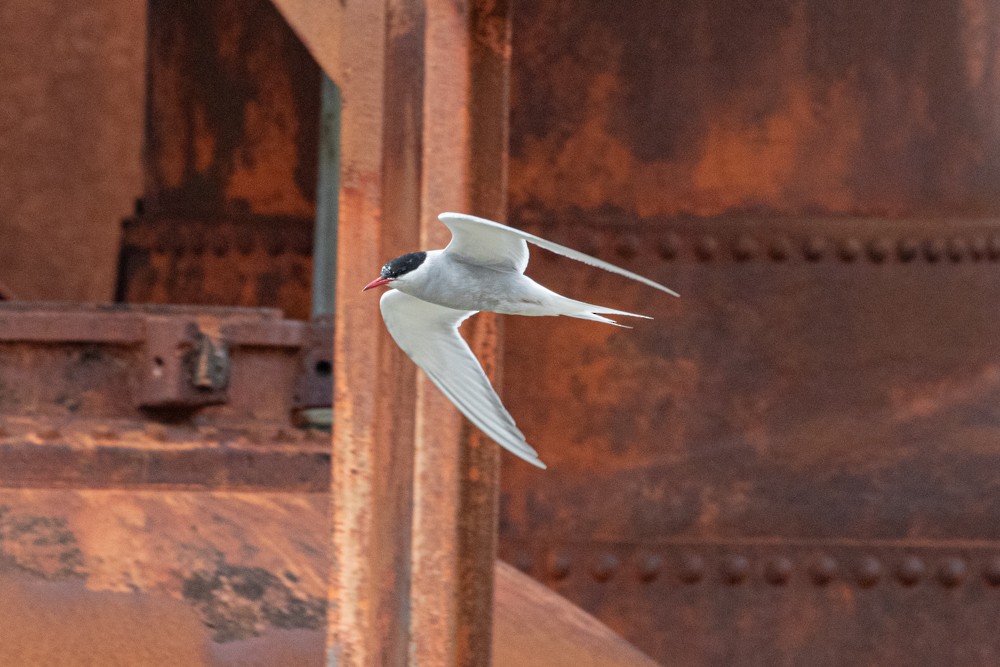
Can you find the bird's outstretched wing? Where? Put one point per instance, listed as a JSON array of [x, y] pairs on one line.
[[489, 243], [428, 334]]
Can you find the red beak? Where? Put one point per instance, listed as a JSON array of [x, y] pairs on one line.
[[378, 282]]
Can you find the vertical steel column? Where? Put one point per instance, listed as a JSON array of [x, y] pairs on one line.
[[424, 108], [465, 148]]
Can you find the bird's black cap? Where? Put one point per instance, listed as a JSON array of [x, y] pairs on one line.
[[404, 264]]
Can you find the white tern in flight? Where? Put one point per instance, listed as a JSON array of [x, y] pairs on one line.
[[482, 269]]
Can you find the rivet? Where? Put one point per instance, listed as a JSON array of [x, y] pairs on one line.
[[991, 571], [778, 570], [908, 249], [692, 568], [668, 246], [627, 246], [649, 567], [977, 248], [745, 248], [823, 570], [178, 243], [590, 243], [605, 566], [276, 246], [850, 250], [523, 563], [815, 248], [209, 433], [951, 572], [957, 249], [780, 249], [220, 246], [910, 571], [157, 432], [993, 248], [934, 249], [557, 565], [868, 571], [197, 242], [735, 569], [706, 248], [303, 245], [162, 243], [879, 249], [244, 244], [50, 434]]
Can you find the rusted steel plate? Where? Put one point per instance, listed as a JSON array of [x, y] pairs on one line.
[[226, 217], [233, 108], [261, 261], [237, 578], [99, 397], [537, 628], [201, 548], [823, 396], [693, 108], [825, 387], [779, 601]]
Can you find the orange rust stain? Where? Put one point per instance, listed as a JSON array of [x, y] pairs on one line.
[[65, 625], [204, 141], [264, 176], [171, 129], [739, 164]]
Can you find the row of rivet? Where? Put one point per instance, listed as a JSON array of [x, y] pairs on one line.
[[160, 433], [744, 248], [222, 243], [866, 571]]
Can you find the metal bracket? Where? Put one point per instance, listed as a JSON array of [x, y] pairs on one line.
[[184, 366]]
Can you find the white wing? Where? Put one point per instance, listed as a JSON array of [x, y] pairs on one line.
[[428, 334], [489, 243]]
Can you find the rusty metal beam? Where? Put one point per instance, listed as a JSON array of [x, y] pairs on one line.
[[413, 489], [370, 488], [457, 468]]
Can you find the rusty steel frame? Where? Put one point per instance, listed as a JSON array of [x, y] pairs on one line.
[[424, 88]]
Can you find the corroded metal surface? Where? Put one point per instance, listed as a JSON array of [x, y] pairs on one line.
[[456, 467], [197, 547], [231, 156], [801, 442], [71, 113], [161, 577], [233, 108], [104, 397], [263, 261], [793, 463], [797, 107], [537, 628], [397, 444]]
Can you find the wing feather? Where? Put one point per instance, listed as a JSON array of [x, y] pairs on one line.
[[492, 244], [428, 334]]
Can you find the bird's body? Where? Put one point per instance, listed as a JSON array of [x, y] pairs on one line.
[[453, 282], [482, 269]]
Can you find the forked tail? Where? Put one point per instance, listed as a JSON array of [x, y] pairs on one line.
[[588, 311]]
